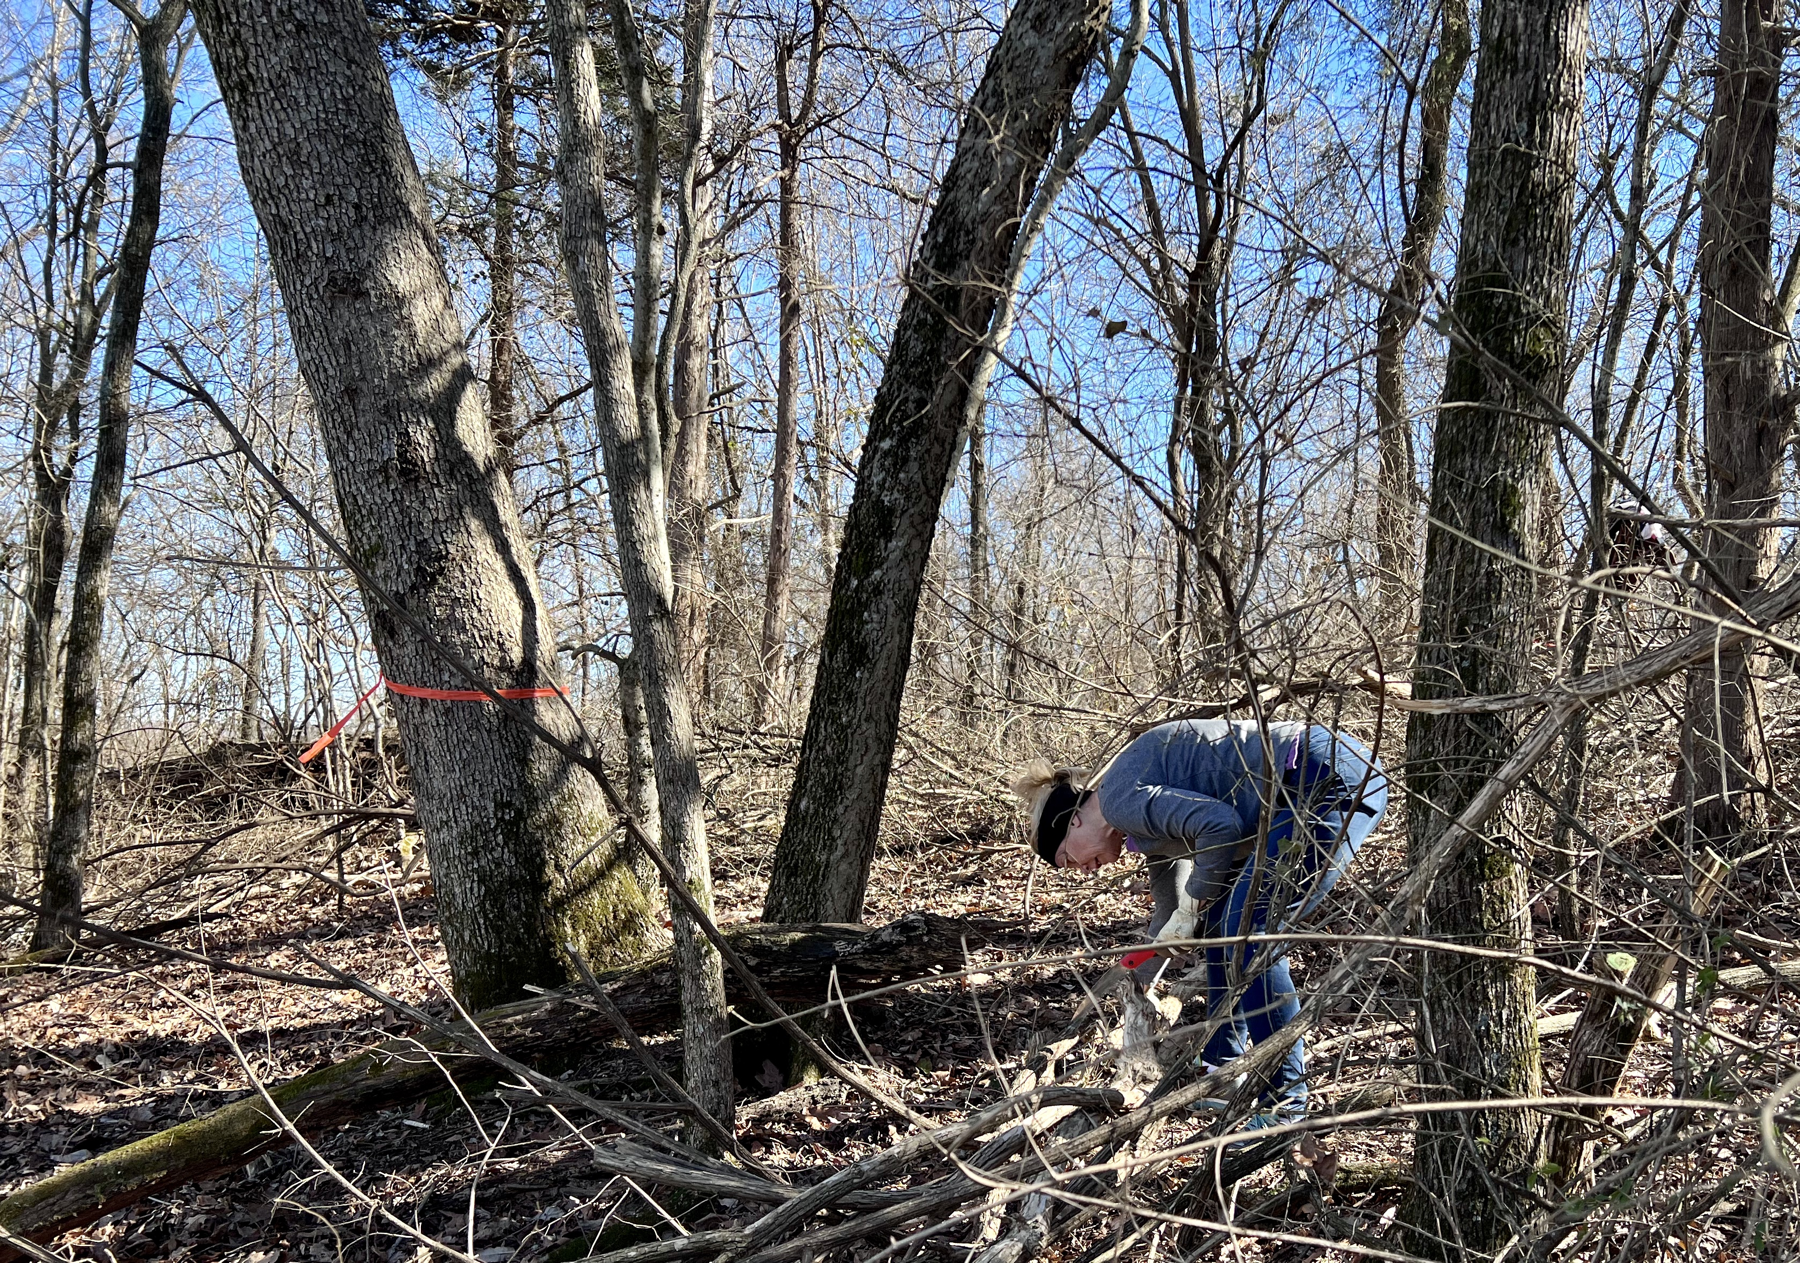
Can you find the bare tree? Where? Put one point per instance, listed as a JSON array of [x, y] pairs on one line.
[[73, 293], [632, 406], [78, 756], [1724, 767], [1396, 518], [1182, 255], [1477, 1015], [1748, 419], [916, 428], [793, 119], [520, 846]]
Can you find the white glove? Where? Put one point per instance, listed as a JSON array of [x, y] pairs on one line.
[[1180, 924]]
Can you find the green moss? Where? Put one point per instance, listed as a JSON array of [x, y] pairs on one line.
[[1497, 866]]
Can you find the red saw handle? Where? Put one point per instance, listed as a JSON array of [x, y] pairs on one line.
[[1131, 960]]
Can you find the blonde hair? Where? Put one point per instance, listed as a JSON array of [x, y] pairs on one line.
[[1034, 781]]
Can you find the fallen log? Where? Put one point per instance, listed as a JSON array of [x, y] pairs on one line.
[[793, 963]]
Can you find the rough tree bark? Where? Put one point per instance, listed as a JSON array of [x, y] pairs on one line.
[[915, 433], [1396, 505], [1477, 1036], [77, 757], [519, 843], [1747, 420], [626, 407]]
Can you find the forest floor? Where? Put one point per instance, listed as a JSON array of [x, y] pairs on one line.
[[120, 1043]]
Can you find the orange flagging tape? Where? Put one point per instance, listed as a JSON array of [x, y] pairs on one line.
[[433, 695]]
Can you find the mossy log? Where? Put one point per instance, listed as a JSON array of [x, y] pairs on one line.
[[793, 963]]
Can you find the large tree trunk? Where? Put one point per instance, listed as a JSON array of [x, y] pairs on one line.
[[1477, 1036], [915, 432], [1747, 421], [78, 756], [625, 409], [518, 842], [1396, 505]]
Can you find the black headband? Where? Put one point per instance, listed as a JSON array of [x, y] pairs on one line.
[[1053, 821]]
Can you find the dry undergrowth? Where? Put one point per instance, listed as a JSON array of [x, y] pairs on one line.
[[121, 1043]]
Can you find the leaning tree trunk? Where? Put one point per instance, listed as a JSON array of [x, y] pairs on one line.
[[78, 756], [626, 411], [1477, 1033], [821, 866], [1396, 505], [519, 843], [1747, 420]]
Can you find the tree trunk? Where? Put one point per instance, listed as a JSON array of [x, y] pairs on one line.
[[1477, 1036], [1747, 422], [77, 757], [914, 436], [689, 487], [640, 765], [981, 614], [252, 704], [778, 583], [46, 554], [792, 119], [1607, 1033], [1396, 505], [1027, 560], [518, 842], [628, 435], [690, 355], [55, 449], [503, 259]]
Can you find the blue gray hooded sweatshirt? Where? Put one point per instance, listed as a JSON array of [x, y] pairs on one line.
[[1187, 793]]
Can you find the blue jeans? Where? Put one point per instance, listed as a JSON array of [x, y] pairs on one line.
[[1315, 831]]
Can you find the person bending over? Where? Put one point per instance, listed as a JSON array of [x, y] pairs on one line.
[[1193, 796]]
